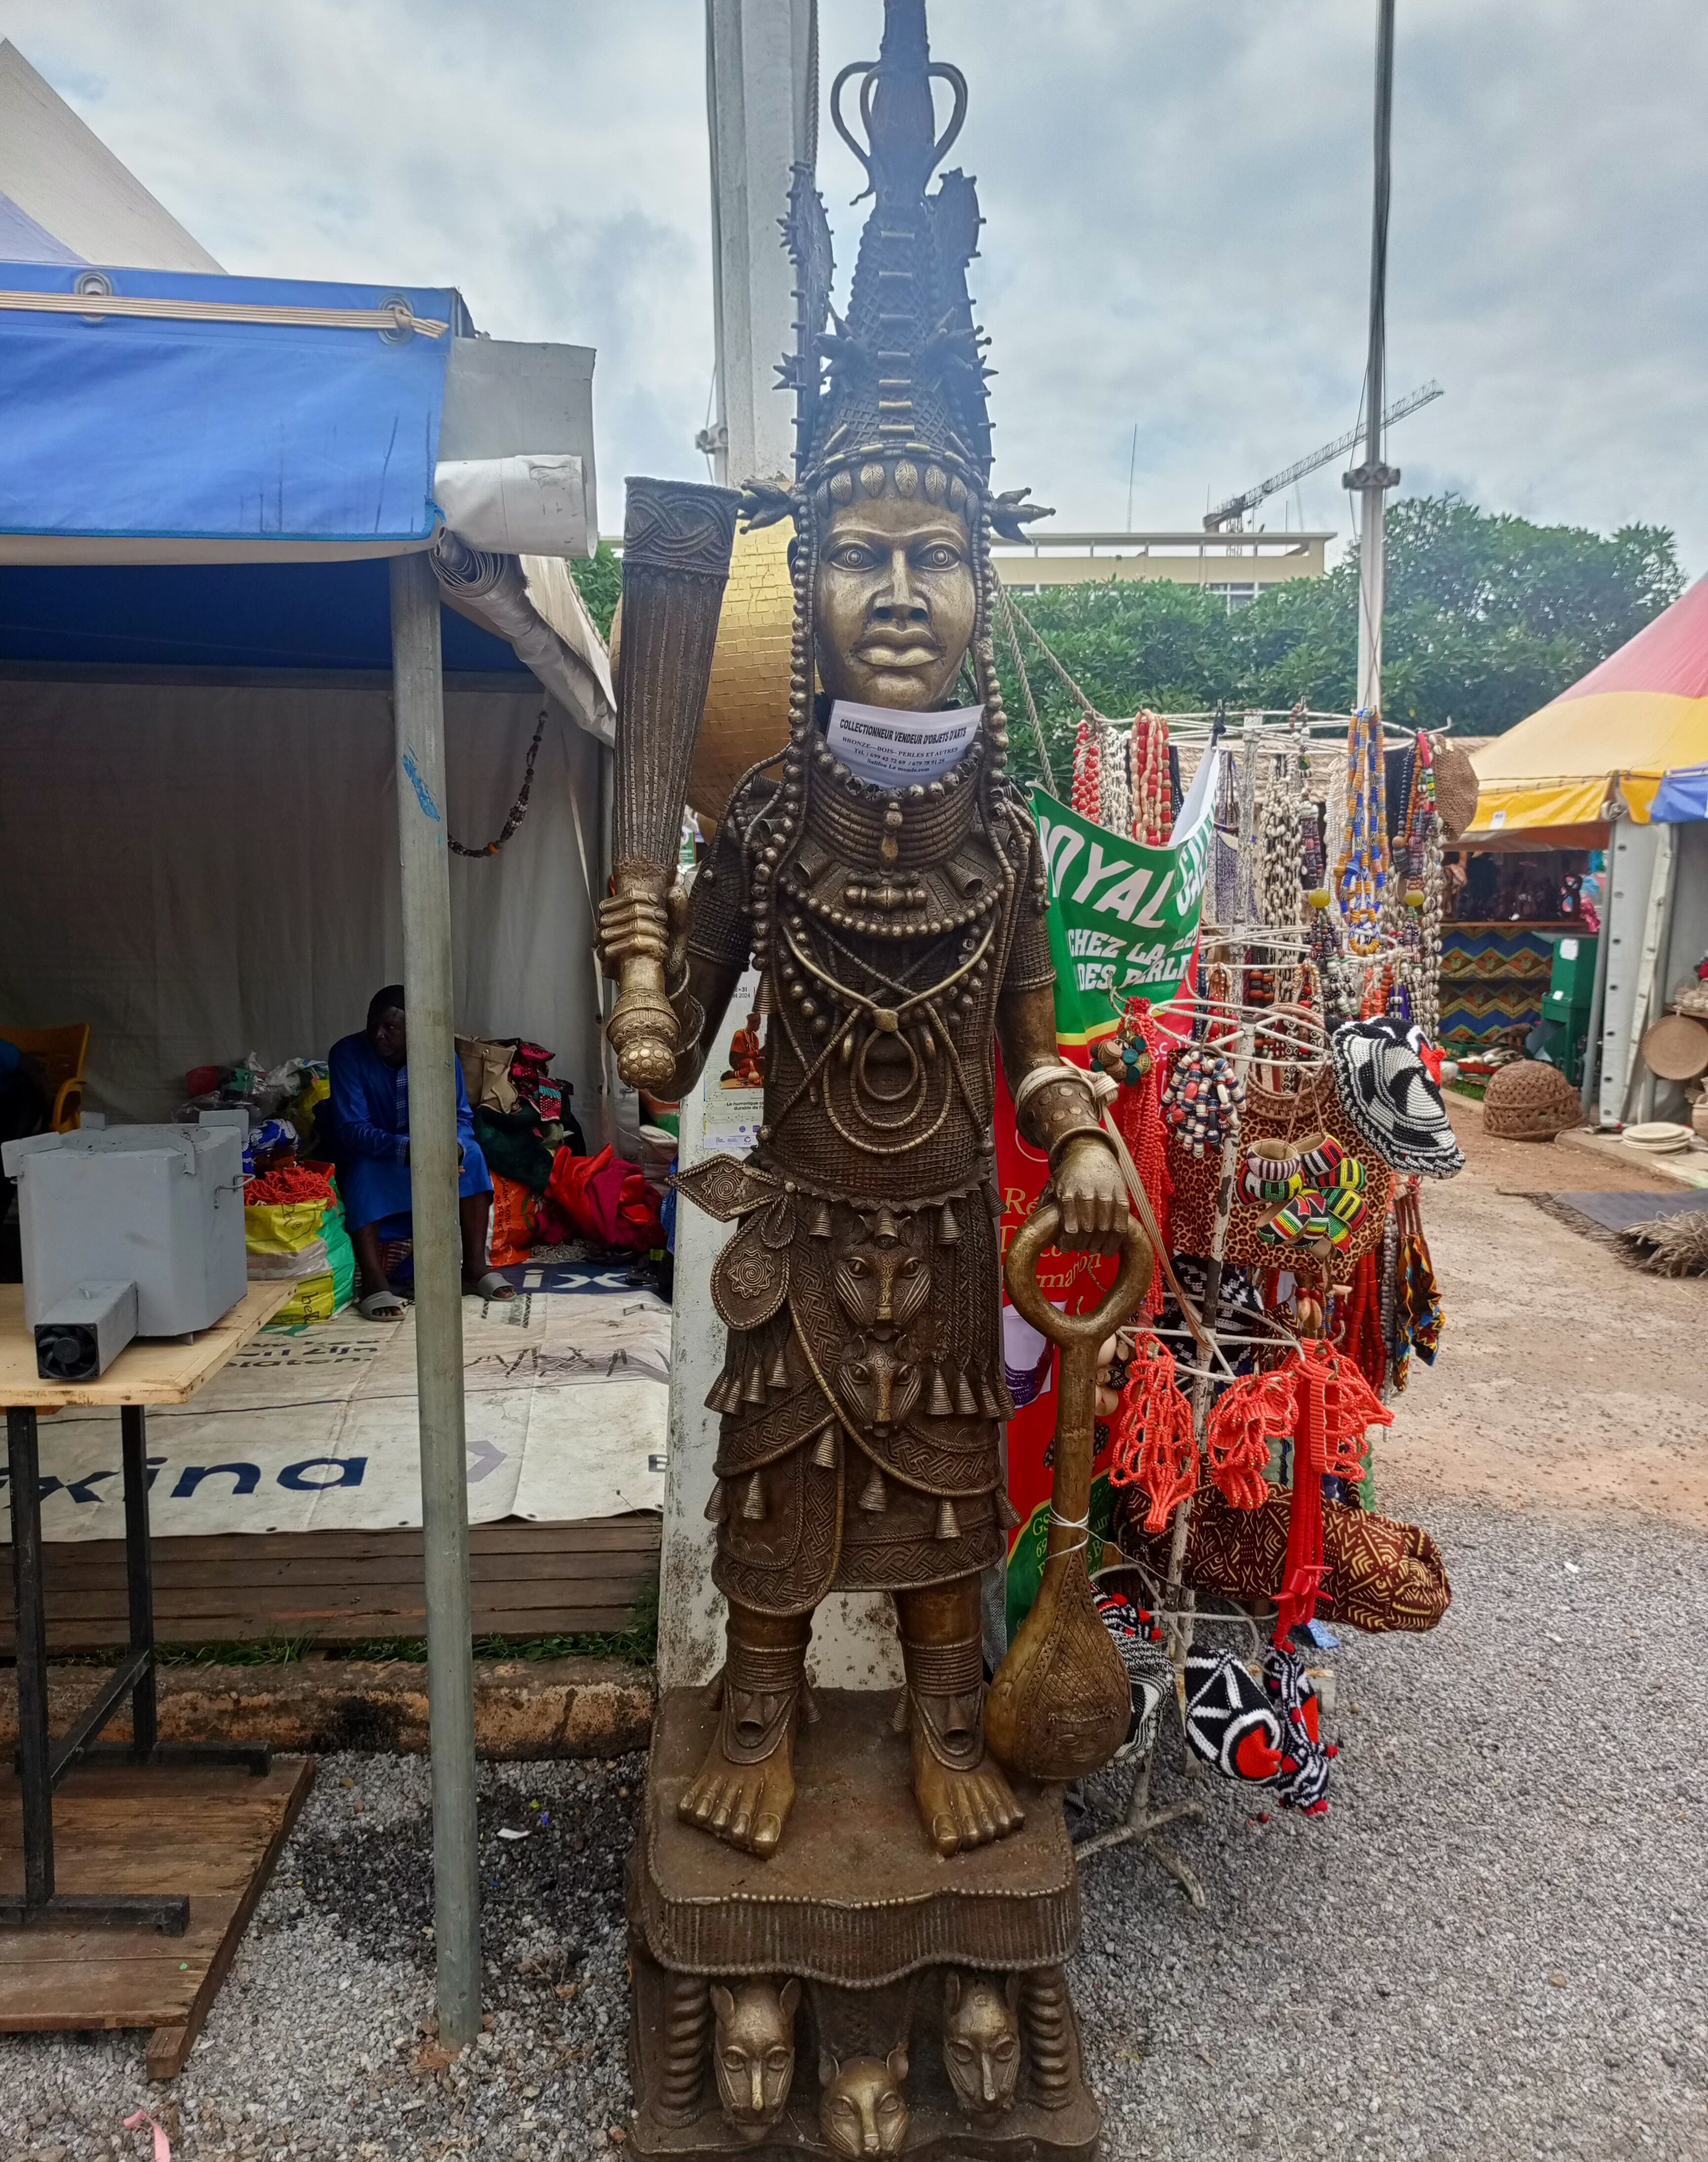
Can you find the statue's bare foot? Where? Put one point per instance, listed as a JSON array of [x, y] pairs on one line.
[[745, 1805], [962, 1809]]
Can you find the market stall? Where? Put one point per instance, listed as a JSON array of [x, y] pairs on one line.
[[1571, 801], [233, 698]]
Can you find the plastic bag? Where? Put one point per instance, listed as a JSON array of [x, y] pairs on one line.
[[282, 1227], [341, 1253], [315, 1298], [513, 1224], [607, 1199], [303, 1109], [309, 1261]]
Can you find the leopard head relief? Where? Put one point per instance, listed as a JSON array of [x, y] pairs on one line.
[[981, 2042], [754, 2052], [882, 1279], [882, 1386], [862, 2110]]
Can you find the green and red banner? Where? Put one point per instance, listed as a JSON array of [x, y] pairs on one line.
[[1123, 924], [1123, 917]]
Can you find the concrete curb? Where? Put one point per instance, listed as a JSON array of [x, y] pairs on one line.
[[524, 1709]]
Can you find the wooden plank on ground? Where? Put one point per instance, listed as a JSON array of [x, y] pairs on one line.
[[210, 1831]]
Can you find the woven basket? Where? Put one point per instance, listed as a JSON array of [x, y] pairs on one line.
[[1456, 789], [747, 700], [1528, 1101]]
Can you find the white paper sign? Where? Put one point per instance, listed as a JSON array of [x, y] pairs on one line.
[[888, 745]]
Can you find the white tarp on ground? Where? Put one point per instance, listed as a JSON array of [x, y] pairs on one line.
[[201, 872], [315, 1430]]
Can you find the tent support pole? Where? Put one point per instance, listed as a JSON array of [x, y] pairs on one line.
[[1373, 478], [419, 710]]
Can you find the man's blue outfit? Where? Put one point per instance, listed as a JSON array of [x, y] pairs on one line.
[[371, 1116]]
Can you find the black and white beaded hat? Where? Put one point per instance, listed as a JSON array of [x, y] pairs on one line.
[[1393, 1098]]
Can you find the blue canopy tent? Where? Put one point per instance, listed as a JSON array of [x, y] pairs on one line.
[[197, 511], [1682, 796], [226, 675]]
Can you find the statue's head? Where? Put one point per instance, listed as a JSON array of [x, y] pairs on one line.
[[893, 434], [891, 497], [895, 586]]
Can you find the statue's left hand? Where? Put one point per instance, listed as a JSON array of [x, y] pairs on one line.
[[1093, 1197]]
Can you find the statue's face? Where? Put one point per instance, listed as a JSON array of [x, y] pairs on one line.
[[895, 600]]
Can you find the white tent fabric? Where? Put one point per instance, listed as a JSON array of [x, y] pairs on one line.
[[61, 175], [502, 595], [556, 598], [199, 872]]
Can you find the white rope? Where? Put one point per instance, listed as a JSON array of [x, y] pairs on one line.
[[399, 318], [1081, 1524]]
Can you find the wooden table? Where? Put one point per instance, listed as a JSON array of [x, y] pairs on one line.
[[155, 1371]]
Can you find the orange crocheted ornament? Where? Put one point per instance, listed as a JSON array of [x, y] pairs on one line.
[[1251, 1414], [1153, 1447], [1350, 1407]]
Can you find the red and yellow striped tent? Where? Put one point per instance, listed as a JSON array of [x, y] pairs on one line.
[[1642, 712]]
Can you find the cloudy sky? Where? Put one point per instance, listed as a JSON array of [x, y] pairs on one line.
[[1176, 194]]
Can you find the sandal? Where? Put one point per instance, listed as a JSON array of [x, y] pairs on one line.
[[492, 1286], [381, 1306]]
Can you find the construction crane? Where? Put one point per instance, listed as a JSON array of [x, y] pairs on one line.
[[1229, 517]]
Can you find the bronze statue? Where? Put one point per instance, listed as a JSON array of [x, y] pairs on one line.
[[888, 881], [899, 928]]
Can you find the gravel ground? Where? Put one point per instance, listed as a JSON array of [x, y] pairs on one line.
[[1494, 1944]]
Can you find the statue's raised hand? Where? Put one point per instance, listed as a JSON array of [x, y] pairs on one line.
[[632, 927], [635, 925]]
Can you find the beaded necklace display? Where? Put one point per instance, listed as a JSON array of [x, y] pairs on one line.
[[1153, 792], [1417, 860], [1087, 795], [1362, 872], [1281, 898], [1116, 793]]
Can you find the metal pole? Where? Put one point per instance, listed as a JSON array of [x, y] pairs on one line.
[[419, 705], [762, 103], [139, 1573], [1373, 479], [30, 1661]]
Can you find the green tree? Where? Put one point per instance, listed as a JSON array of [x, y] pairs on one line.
[[1488, 617], [600, 579]]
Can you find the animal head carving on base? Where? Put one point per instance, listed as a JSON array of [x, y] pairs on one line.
[[862, 2110], [753, 2051], [981, 2042]]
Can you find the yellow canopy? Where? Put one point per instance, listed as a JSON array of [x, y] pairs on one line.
[[1642, 712]]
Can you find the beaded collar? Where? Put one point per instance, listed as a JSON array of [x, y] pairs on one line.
[[886, 829]]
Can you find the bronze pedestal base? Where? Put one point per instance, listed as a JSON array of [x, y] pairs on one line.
[[875, 1930]]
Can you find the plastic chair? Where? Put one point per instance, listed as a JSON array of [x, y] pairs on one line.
[[61, 1052]]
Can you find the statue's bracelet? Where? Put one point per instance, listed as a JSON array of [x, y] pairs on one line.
[[1063, 1141]]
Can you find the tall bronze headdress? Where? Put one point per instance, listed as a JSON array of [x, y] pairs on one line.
[[891, 397]]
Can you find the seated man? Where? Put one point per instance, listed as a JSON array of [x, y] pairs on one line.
[[370, 1107]]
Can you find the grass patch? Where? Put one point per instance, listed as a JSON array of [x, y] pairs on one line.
[[259, 1651], [637, 1641]]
